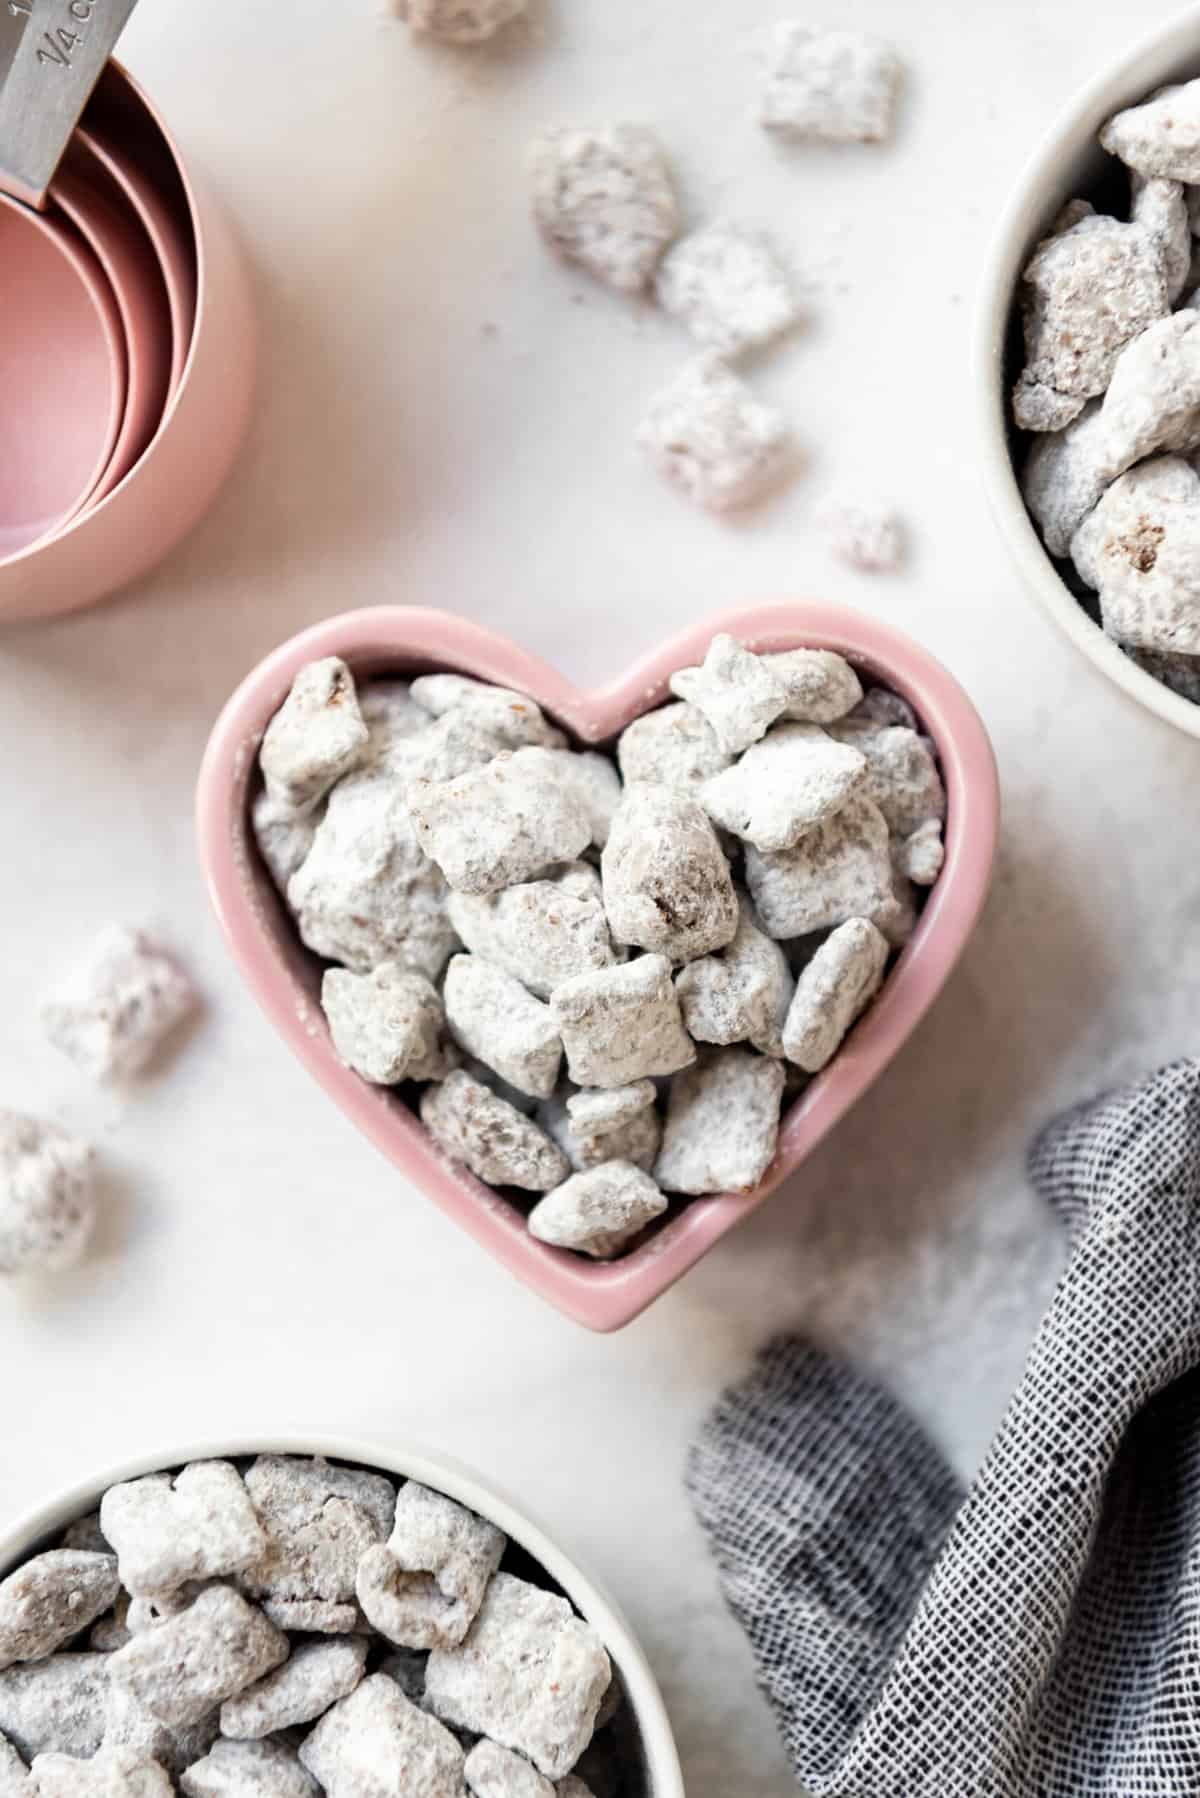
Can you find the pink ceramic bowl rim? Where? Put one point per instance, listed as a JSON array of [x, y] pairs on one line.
[[283, 976]]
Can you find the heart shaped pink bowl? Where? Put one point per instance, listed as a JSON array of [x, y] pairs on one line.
[[285, 977]]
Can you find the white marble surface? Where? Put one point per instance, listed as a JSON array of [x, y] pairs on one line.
[[446, 417]]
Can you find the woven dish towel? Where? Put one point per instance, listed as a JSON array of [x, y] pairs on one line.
[[1038, 1637]]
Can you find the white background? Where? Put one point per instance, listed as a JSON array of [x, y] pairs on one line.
[[446, 417]]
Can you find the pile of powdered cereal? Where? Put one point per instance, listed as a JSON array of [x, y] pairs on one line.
[[291, 1627], [596, 974], [1110, 390]]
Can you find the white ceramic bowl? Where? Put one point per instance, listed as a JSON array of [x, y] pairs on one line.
[[652, 1770], [1068, 163]]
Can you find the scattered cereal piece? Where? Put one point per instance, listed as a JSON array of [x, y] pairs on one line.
[[367, 893], [741, 995], [1160, 208], [722, 1124], [836, 86], [706, 432], [512, 718], [600, 1112], [599, 1211], [841, 869], [541, 931], [1161, 136], [902, 776], [47, 1200], [636, 1140], [498, 825], [667, 886], [495, 1772], [1064, 475], [499, 1145], [195, 1526], [249, 1770], [55, 1705], [376, 1743], [315, 737], [586, 775], [674, 746], [621, 1024], [794, 777], [1141, 549], [284, 835], [315, 1676], [113, 1773], [820, 685], [186, 1665], [921, 855], [116, 1007], [492, 1016], [424, 1589], [387, 1025], [728, 286], [52, 1598], [1153, 399], [840, 980], [461, 21], [866, 534], [530, 1675], [739, 693], [318, 1520], [605, 199]]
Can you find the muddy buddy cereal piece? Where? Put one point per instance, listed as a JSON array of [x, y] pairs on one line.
[[196, 1526], [318, 1521], [599, 1211], [387, 1025], [47, 1198], [55, 1705], [249, 1770], [316, 736], [741, 995], [495, 1772], [475, 1126], [605, 199], [739, 693], [1064, 476], [492, 1016], [622, 1024], [129, 1726], [367, 893], [722, 1124], [445, 748], [1140, 550], [675, 746], [1161, 136], [835, 987], [1088, 291], [820, 686], [901, 774], [390, 714], [116, 1007], [512, 718], [52, 1598], [1153, 399], [879, 705], [186, 1665], [866, 535], [530, 1675], [498, 825], [113, 1773], [14, 1774], [602, 1110], [1160, 208], [728, 286], [424, 1589], [316, 1676], [795, 777], [375, 1744], [461, 21], [841, 869], [835, 86], [284, 835], [540, 931], [586, 776], [667, 886], [636, 1140], [706, 432], [921, 855]]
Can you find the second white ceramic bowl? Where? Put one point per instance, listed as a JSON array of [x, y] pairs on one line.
[[1069, 163]]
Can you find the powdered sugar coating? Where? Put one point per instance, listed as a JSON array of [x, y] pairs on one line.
[[1141, 549], [840, 870], [491, 1015], [599, 1211], [901, 773], [14, 1774], [835, 86], [599, 1111], [588, 777], [722, 1124], [837, 984], [920, 856], [739, 693], [530, 1675], [820, 684], [707, 433], [47, 1197], [462, 21], [667, 886], [499, 825], [495, 1772], [284, 835], [128, 1725], [674, 746], [52, 1598], [195, 1526], [741, 995], [388, 1025], [319, 1519], [512, 718], [375, 1744], [1153, 399], [424, 1588], [1064, 475], [728, 286], [1161, 136], [315, 737], [636, 1140], [115, 1008], [794, 777], [475, 1126], [622, 1024], [55, 1706], [1160, 208], [540, 931], [314, 1677], [604, 199], [113, 1773], [249, 1770], [186, 1665]]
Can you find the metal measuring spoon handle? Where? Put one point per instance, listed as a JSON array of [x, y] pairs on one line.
[[52, 53]]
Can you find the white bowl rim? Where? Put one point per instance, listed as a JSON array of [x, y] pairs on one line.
[[401, 1461], [1148, 64]]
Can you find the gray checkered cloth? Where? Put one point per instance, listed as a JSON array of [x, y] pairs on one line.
[[1039, 1636]]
